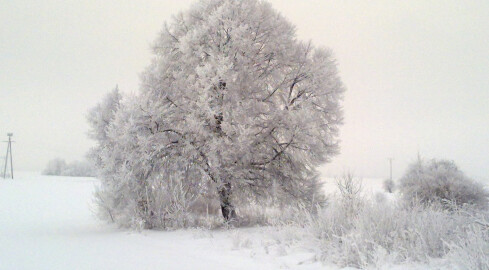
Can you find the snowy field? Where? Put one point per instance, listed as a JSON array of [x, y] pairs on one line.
[[47, 223]]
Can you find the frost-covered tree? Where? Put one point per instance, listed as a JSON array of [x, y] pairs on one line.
[[55, 167], [108, 166], [79, 168], [100, 118], [440, 181], [102, 115], [232, 101]]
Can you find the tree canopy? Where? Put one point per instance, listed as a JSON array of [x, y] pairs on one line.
[[231, 99]]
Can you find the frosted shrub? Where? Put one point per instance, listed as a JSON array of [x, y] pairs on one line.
[[265, 213], [338, 217], [381, 234], [440, 181], [380, 197], [350, 194], [370, 234], [409, 234], [354, 231], [167, 202], [470, 251], [389, 185], [349, 186]]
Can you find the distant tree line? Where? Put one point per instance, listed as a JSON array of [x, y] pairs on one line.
[[60, 167]]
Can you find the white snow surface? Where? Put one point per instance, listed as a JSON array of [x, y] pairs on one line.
[[47, 222]]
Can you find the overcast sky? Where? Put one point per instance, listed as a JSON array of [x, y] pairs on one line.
[[416, 72]]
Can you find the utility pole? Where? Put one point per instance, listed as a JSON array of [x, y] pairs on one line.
[[390, 163], [9, 151]]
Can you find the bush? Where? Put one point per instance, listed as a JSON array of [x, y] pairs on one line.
[[165, 203], [388, 234], [389, 185], [440, 181], [353, 231], [471, 251]]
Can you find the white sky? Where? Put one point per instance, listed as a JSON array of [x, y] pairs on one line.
[[417, 74]]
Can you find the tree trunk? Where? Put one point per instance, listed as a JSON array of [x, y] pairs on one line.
[[227, 208], [224, 190]]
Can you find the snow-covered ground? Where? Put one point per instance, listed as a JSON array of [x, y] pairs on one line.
[[47, 222]]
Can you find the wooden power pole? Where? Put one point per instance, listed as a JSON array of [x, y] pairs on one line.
[[9, 153], [390, 163]]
